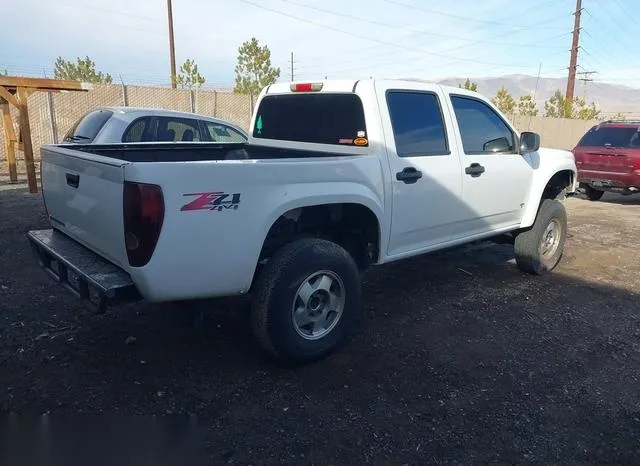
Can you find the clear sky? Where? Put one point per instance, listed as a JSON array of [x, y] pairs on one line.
[[428, 39]]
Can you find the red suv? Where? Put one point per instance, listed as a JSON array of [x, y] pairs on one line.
[[608, 159]]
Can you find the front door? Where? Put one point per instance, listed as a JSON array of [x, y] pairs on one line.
[[425, 169], [496, 179]]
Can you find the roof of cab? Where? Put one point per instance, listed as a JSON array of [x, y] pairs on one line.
[[349, 85]]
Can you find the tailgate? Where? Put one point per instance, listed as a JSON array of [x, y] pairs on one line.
[[83, 195], [607, 160]]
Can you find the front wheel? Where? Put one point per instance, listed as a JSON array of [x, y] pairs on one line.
[[306, 301], [540, 248]]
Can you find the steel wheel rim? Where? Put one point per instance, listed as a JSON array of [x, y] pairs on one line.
[[551, 239], [318, 305]]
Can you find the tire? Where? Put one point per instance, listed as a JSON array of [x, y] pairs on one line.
[[529, 245], [592, 193], [281, 322]]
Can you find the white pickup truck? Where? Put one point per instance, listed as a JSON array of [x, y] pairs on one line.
[[336, 176]]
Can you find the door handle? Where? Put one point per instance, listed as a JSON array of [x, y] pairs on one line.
[[475, 170], [409, 175], [72, 180]]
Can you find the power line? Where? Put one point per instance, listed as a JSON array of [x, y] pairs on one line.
[[421, 31], [460, 17], [360, 36]]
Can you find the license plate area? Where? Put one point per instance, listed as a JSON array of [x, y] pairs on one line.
[[601, 183]]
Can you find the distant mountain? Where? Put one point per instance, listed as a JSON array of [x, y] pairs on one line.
[[610, 98]]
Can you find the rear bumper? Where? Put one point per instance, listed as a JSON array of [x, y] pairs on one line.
[[92, 279], [611, 180]]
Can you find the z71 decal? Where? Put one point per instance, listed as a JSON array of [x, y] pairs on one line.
[[213, 201]]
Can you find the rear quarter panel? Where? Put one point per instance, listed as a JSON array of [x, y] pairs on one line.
[[207, 250]]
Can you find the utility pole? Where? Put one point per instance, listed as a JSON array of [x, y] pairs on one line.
[[584, 77], [292, 69], [172, 48], [573, 62]]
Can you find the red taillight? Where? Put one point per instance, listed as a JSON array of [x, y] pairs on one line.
[[143, 212], [306, 87]]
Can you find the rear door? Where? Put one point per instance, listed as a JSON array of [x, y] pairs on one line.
[[425, 168], [83, 195], [608, 150]]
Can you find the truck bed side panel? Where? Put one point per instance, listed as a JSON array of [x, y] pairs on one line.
[[217, 215]]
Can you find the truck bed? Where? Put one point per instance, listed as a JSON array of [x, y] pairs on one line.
[[193, 152]]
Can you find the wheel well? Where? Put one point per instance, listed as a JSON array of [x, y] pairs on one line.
[[352, 226], [557, 186]]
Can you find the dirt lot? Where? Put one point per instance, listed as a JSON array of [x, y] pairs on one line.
[[462, 358]]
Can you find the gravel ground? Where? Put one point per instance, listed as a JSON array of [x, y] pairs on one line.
[[462, 358]]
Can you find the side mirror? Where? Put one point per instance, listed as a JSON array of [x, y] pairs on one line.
[[498, 145], [529, 142]]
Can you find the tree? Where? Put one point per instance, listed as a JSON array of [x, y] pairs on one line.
[[470, 86], [527, 106], [504, 101], [254, 71], [558, 107], [584, 112], [555, 107], [189, 76], [83, 70]]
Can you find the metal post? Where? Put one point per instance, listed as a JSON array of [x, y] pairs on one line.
[[125, 96], [52, 119]]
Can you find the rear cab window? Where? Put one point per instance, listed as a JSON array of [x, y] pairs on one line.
[[417, 122], [324, 118], [612, 136], [87, 128]]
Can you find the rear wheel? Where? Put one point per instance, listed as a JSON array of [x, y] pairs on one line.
[[306, 301], [591, 193], [540, 248]]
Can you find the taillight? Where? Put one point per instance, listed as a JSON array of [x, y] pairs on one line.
[[305, 87], [143, 212], [577, 156]]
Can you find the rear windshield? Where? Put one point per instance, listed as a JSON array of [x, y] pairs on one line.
[[608, 136], [88, 127], [315, 118]]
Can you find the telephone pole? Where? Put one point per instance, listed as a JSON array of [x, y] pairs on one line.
[[573, 62], [585, 78], [292, 69], [172, 48]]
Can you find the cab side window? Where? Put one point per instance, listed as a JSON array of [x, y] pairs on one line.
[[483, 131], [418, 127]]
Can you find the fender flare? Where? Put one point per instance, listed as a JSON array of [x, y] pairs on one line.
[[531, 211]]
